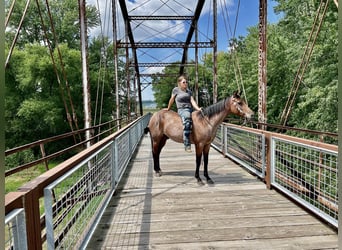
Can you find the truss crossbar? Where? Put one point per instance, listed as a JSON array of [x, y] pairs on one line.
[[166, 45], [160, 64], [159, 75], [142, 18]]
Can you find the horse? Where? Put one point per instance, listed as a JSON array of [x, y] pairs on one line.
[[165, 125]]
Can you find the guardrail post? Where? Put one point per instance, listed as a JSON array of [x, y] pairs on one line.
[[268, 145], [116, 161], [224, 139], [33, 228], [130, 132], [113, 163]]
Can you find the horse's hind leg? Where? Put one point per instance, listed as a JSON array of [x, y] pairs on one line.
[[156, 149], [156, 164], [205, 163], [198, 164], [199, 150]]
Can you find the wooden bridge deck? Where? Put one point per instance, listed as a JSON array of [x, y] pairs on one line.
[[173, 212]]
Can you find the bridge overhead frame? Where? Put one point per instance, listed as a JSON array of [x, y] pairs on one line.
[[190, 41]]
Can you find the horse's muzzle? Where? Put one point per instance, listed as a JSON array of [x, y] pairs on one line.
[[249, 116]]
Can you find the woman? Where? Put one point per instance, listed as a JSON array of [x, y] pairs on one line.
[[185, 105]]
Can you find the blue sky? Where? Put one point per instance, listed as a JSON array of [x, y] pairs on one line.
[[176, 31]]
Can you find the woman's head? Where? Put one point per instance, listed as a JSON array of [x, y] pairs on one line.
[[182, 82]]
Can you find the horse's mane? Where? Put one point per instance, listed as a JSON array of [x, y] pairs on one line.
[[215, 108]]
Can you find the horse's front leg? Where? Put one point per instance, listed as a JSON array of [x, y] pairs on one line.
[[198, 164], [205, 163]]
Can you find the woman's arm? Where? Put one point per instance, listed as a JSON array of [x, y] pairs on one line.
[[171, 101], [194, 104]]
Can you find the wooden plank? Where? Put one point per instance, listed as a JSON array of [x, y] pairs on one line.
[[173, 212]]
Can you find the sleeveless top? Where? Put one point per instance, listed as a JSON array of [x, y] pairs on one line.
[[183, 98]]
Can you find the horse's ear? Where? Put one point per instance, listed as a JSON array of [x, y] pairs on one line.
[[236, 94]]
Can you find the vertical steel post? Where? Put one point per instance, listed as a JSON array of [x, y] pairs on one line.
[[115, 41], [139, 92], [86, 85], [196, 61], [128, 85], [262, 80], [215, 52], [135, 105]]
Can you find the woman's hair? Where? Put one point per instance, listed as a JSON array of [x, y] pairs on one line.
[[181, 78]]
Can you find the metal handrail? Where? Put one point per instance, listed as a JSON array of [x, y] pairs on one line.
[[43, 142]]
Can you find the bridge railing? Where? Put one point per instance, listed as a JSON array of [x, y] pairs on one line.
[[15, 229], [305, 170], [62, 206], [22, 158]]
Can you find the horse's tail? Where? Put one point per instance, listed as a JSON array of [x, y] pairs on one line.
[[146, 130]]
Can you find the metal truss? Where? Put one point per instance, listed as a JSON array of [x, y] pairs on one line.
[[190, 41], [155, 45]]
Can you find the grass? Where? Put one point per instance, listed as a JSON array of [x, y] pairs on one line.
[[15, 181]]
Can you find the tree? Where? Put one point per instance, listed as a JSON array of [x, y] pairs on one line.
[[65, 19], [321, 73]]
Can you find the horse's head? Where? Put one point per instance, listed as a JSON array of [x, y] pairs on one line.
[[239, 107]]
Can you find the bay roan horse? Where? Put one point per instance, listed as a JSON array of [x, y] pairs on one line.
[[167, 124]]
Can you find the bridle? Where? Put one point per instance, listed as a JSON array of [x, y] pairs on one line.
[[238, 106]]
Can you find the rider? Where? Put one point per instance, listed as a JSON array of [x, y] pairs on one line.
[[185, 104]]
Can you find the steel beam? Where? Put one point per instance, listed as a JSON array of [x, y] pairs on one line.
[[156, 45], [132, 43], [198, 11], [160, 64], [262, 80], [159, 75], [159, 18]]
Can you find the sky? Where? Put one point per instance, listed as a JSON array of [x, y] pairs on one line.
[[248, 15]]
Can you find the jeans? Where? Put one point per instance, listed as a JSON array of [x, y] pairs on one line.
[[185, 114]]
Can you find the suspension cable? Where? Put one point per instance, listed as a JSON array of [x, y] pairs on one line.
[[10, 11], [55, 68], [235, 58], [99, 71], [17, 34], [305, 60], [74, 117]]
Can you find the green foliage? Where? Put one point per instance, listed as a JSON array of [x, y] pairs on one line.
[[18, 159], [65, 20], [163, 86]]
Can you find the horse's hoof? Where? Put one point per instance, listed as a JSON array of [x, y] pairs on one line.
[[210, 182], [158, 173], [200, 182]]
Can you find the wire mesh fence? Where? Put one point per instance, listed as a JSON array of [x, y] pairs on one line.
[[308, 174], [305, 170], [72, 201], [75, 202], [245, 147]]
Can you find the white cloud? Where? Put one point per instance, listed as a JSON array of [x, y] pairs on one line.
[[153, 70]]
